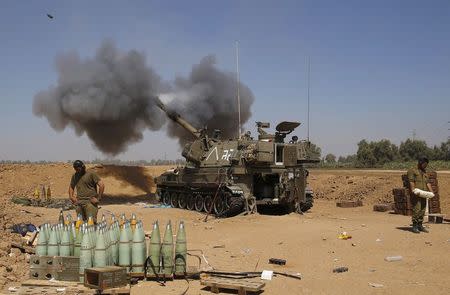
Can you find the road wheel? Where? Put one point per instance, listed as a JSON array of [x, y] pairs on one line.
[[166, 198], [219, 205], [174, 200], [227, 199], [190, 202], [182, 201], [198, 200], [207, 202]]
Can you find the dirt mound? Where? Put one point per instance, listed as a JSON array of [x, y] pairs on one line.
[[23, 180], [370, 188]]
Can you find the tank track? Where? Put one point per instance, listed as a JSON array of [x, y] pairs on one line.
[[224, 204]]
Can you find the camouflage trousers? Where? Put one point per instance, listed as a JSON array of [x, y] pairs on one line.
[[418, 209], [85, 208]]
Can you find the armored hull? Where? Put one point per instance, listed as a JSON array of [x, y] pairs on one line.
[[228, 177]]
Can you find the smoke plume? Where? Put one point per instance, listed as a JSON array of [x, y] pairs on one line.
[[207, 98], [110, 98]]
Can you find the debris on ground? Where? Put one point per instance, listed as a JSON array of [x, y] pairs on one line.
[[393, 258], [376, 285], [277, 261], [267, 275], [64, 204], [162, 206], [23, 229], [344, 236], [340, 269]]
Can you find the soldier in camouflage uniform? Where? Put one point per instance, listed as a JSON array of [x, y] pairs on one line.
[[418, 178], [87, 197]]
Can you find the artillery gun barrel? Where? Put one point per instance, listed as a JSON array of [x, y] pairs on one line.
[[174, 116]]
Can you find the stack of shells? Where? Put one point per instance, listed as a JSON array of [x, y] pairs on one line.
[[161, 259], [121, 242]]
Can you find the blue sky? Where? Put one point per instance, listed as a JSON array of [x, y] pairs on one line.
[[379, 69]]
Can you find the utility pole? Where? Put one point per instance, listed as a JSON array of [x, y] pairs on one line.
[[237, 90], [414, 134]]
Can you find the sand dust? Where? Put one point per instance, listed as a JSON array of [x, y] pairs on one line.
[[309, 243]]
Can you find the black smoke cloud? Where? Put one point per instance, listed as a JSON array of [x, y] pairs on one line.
[[207, 98], [110, 98]]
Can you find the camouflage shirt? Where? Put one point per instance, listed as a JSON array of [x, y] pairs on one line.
[[85, 184], [419, 177]]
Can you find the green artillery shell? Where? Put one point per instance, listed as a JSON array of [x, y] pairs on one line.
[[138, 250], [114, 244], [41, 247], [78, 239], [100, 250], [167, 251], [52, 247], [124, 249], [154, 250], [64, 246], [85, 255], [180, 250]]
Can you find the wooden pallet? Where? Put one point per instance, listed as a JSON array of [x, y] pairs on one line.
[[435, 218], [35, 287], [383, 207], [34, 290], [349, 204], [241, 285]]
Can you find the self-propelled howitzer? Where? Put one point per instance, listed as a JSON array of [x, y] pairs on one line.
[[229, 176]]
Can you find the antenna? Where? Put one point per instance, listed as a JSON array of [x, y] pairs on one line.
[[448, 138], [309, 73], [414, 134], [238, 83]]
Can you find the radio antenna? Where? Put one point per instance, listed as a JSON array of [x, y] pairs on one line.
[[309, 73], [237, 90]]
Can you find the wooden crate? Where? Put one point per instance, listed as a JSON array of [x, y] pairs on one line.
[[241, 285], [62, 268], [102, 278]]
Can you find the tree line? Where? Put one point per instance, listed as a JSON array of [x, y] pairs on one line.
[[371, 154]]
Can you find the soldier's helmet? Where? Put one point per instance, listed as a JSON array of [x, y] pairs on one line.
[[78, 164]]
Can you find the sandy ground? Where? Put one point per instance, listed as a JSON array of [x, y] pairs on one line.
[[309, 243]]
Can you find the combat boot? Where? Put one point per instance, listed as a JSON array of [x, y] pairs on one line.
[[421, 228], [415, 228]]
